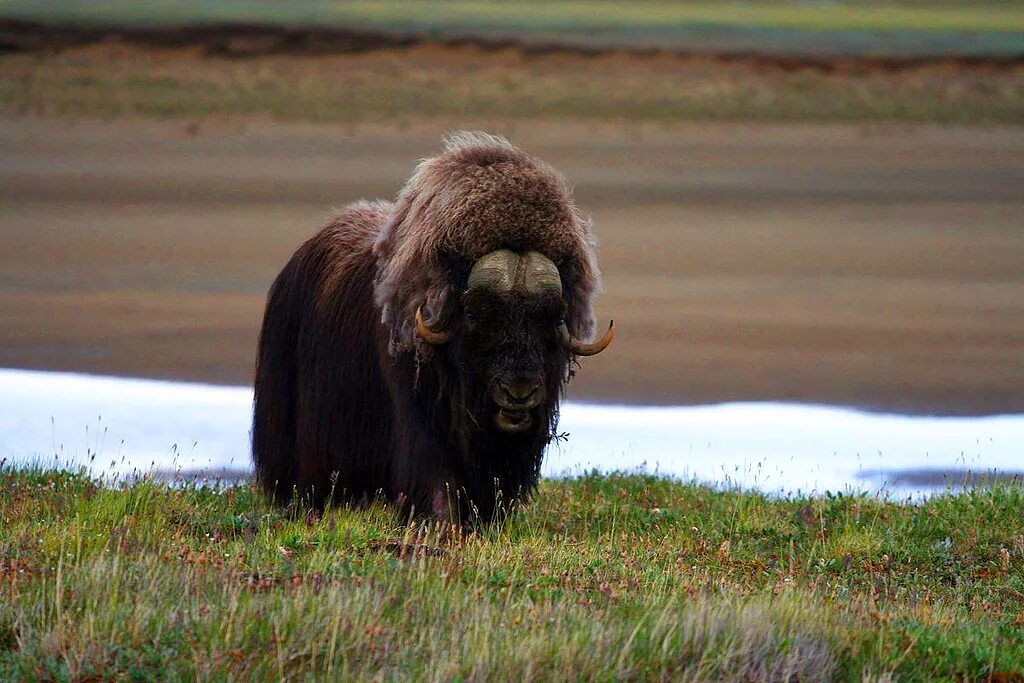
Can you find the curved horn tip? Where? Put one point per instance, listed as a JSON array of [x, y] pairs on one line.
[[428, 335], [583, 349]]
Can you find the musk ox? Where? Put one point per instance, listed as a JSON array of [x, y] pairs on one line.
[[418, 350]]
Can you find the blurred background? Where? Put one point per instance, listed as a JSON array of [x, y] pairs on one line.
[[818, 202]]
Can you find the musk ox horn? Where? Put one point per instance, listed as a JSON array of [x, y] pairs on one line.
[[535, 272], [496, 271], [584, 349], [504, 270], [428, 335]]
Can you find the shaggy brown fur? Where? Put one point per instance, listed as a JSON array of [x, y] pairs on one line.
[[351, 404]]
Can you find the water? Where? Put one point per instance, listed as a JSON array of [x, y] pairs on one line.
[[121, 427]]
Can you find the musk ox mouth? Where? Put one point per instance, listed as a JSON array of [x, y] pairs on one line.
[[513, 421]]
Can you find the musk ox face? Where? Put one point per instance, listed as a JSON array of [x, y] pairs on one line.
[[511, 347], [509, 342]]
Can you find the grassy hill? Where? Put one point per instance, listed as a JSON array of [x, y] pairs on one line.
[[603, 577]]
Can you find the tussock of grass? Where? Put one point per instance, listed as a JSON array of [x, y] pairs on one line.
[[607, 577]]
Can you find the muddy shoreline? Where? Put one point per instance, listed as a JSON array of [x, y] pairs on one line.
[[868, 266]]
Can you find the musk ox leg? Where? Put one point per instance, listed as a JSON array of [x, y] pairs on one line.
[[424, 474], [439, 507], [442, 509], [448, 508], [433, 504]]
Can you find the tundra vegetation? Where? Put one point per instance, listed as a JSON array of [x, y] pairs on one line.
[[643, 61], [473, 87], [601, 577]]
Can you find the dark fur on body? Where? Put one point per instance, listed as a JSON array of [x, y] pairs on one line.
[[350, 404]]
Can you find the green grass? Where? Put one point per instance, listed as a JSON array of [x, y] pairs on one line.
[[538, 15], [992, 27], [603, 577]]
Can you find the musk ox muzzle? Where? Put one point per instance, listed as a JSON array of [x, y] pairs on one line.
[[516, 401]]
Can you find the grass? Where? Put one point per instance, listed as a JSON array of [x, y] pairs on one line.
[[541, 16], [467, 84], [602, 577]]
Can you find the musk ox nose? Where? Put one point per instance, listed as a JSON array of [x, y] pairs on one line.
[[520, 394]]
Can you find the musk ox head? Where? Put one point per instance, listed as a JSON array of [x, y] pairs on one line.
[[512, 339], [487, 271]]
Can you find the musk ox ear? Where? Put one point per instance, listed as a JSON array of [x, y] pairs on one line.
[[410, 275]]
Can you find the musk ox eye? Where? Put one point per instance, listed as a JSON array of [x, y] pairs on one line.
[[471, 317]]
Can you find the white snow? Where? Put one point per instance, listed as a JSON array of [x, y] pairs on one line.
[[119, 427]]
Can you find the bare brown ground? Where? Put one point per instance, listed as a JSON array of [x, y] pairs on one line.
[[875, 266]]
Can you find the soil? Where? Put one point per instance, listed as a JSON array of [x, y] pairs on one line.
[[879, 266]]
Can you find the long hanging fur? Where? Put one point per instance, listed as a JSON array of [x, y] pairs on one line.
[[349, 403]]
